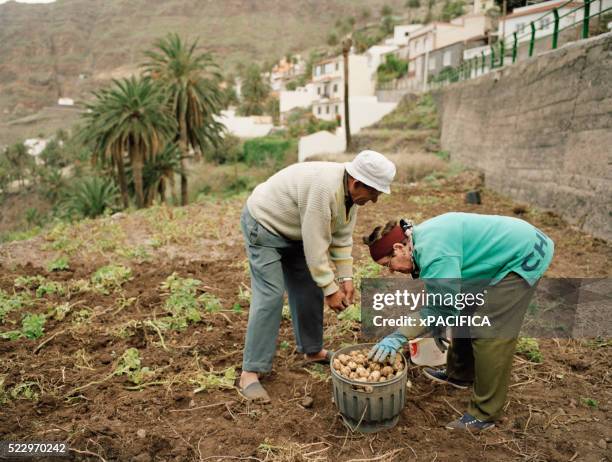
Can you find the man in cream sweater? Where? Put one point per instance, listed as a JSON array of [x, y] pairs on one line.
[[298, 227]]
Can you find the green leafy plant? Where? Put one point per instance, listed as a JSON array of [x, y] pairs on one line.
[[111, 277], [215, 380], [25, 390], [530, 349], [28, 282], [59, 312], [59, 264], [130, 365], [12, 302], [590, 402], [32, 327], [183, 302], [50, 288]]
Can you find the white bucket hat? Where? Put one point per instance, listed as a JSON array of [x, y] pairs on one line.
[[372, 169]]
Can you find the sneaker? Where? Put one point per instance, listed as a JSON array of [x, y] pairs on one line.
[[470, 423], [440, 375]]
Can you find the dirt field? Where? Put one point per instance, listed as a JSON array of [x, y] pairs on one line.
[[558, 410]]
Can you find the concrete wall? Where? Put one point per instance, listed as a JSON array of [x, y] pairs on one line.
[[245, 127], [321, 143], [541, 130]]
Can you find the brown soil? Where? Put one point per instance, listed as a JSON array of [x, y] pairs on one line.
[[546, 417]]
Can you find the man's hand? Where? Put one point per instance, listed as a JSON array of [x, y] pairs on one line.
[[349, 289], [336, 301]]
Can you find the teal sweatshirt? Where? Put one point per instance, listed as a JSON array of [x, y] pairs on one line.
[[473, 246], [457, 250]]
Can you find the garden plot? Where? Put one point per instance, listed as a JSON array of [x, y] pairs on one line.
[[123, 337]]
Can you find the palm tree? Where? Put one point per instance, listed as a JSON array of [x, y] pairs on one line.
[[191, 80], [129, 118], [159, 171]]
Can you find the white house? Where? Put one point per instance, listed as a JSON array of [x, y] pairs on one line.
[[438, 35], [286, 70], [65, 102], [401, 39], [541, 15], [328, 80], [301, 97]]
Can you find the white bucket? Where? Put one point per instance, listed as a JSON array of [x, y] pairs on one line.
[[424, 352]]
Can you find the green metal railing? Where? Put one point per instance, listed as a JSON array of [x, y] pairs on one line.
[[512, 41]]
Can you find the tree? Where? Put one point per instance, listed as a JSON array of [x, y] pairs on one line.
[[413, 4], [386, 11], [510, 4], [254, 92], [159, 173], [273, 109], [452, 10], [20, 163], [332, 39], [387, 25], [132, 118], [191, 83]]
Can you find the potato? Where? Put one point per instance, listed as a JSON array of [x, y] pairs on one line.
[[375, 366], [345, 371], [387, 371], [360, 359], [361, 372], [398, 366], [352, 365], [353, 375], [374, 376], [344, 359], [354, 353], [337, 364], [382, 378]]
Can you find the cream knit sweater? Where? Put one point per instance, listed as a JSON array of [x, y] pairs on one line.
[[305, 202]]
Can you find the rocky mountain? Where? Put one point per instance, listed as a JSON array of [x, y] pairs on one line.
[[69, 47]]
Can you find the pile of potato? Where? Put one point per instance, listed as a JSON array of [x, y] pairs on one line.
[[356, 366]]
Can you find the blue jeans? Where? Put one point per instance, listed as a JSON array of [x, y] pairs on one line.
[[277, 264]]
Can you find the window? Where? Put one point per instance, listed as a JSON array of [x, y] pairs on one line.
[[319, 91], [335, 88], [446, 59], [319, 110], [337, 65], [432, 63], [326, 109], [337, 109], [520, 28], [544, 23]]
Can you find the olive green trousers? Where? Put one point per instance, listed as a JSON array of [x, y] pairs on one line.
[[484, 355]]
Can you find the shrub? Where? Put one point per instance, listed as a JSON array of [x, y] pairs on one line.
[[393, 68], [530, 349], [266, 149], [228, 151], [90, 197]]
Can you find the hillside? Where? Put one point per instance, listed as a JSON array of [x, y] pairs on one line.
[[68, 377], [70, 47]]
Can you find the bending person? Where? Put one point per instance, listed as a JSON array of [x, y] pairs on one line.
[[296, 225], [452, 251]]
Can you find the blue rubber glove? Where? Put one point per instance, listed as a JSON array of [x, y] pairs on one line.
[[388, 346]]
